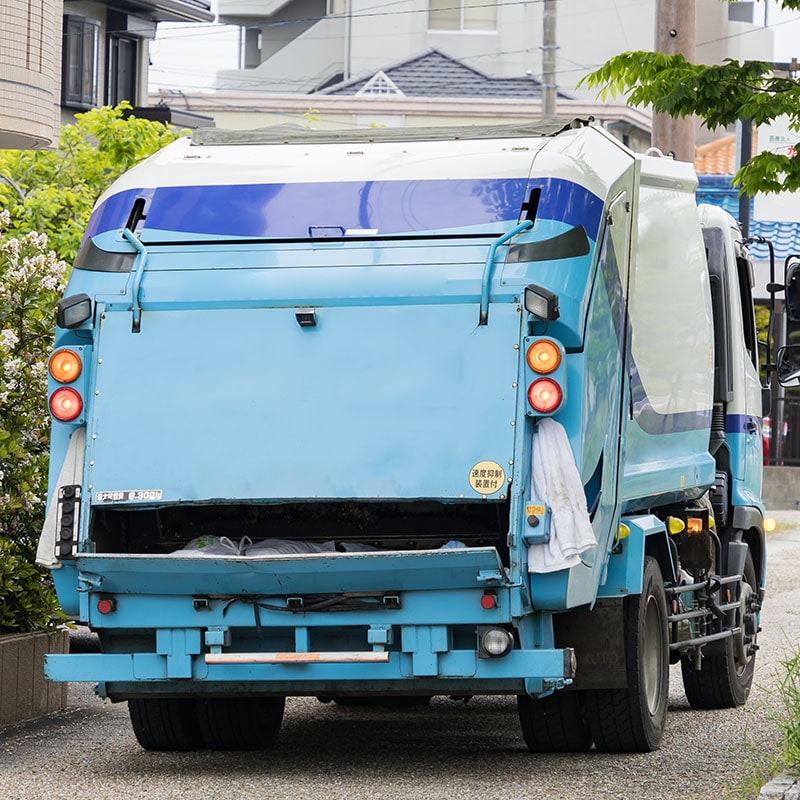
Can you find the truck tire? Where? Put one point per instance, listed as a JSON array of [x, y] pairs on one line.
[[724, 679], [240, 723], [632, 720], [165, 724], [554, 724]]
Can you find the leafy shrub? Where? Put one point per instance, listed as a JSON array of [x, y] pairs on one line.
[[53, 191], [790, 719], [27, 599], [31, 278], [46, 197]]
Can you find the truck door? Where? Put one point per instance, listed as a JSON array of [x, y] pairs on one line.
[[747, 486], [605, 350], [737, 393]]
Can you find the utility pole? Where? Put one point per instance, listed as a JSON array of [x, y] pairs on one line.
[[549, 59], [675, 33]]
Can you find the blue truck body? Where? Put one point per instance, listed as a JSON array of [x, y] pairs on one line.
[[324, 342]]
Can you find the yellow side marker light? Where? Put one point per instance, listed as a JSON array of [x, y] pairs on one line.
[[769, 524], [675, 526], [624, 531]]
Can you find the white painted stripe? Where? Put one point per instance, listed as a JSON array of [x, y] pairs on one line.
[[333, 657]]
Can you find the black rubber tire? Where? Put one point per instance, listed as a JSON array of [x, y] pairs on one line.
[[165, 724], [554, 724], [632, 720], [722, 681], [240, 723]]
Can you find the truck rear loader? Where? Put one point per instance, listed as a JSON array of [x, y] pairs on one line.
[[396, 414]]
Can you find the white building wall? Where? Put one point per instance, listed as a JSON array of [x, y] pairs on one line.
[[589, 32], [30, 65]]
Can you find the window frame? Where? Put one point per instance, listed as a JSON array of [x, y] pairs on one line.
[[462, 25], [78, 60], [114, 94]]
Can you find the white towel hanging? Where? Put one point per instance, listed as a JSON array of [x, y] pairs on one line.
[[556, 482]]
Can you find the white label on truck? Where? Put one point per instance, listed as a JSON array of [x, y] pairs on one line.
[[487, 477], [128, 496]]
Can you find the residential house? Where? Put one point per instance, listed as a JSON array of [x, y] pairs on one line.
[[428, 90], [105, 51], [29, 55], [298, 46]]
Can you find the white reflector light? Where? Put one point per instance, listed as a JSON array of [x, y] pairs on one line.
[[496, 642]]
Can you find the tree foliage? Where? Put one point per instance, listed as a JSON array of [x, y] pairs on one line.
[[720, 94], [31, 278], [53, 192], [46, 199]]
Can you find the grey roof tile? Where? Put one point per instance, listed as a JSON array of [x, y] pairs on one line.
[[434, 74]]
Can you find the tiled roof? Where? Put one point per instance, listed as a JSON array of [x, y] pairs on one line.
[[717, 157], [785, 236], [434, 74]]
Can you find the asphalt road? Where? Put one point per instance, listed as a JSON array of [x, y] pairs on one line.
[[445, 750]]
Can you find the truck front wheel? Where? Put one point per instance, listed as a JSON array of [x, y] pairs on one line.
[[632, 720], [554, 724], [724, 679]]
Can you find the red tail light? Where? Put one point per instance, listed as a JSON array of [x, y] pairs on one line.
[[65, 404], [544, 395]]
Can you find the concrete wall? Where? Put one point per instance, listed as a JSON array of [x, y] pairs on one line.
[[24, 692], [781, 488]]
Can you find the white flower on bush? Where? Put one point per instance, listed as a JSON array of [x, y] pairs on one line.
[[31, 278], [8, 339]]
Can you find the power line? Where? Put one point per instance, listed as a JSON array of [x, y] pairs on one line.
[[562, 72]]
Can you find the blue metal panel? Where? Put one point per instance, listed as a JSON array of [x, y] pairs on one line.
[[450, 607], [487, 675], [626, 565], [743, 438], [661, 465], [371, 419], [390, 207], [288, 574]]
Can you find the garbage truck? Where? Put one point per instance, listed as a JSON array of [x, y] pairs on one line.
[[396, 414]]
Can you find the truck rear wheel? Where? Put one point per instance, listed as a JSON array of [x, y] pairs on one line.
[[165, 724], [554, 724], [632, 720], [240, 723], [724, 679]]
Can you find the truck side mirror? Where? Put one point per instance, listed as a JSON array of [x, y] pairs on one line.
[[793, 291], [788, 365]]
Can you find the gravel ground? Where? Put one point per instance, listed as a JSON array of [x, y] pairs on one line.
[[446, 750]]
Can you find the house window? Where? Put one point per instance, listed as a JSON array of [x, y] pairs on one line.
[[462, 15], [80, 59], [123, 59]]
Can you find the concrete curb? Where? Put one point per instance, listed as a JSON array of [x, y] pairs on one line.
[[781, 787]]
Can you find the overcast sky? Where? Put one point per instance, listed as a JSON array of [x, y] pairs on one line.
[[188, 56]]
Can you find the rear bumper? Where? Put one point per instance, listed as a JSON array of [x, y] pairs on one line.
[[423, 672], [405, 623]]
